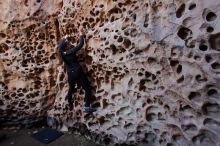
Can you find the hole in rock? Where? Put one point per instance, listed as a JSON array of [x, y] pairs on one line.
[[147, 74], [107, 140], [203, 47], [192, 6], [180, 11], [211, 109], [91, 20], [146, 20], [179, 69], [127, 43], [142, 85], [126, 32], [210, 29], [214, 41], [181, 79], [1, 102], [170, 144], [211, 123], [120, 39], [96, 105], [184, 32], [114, 10], [97, 13], [149, 101], [215, 65], [174, 62], [189, 127], [115, 37], [150, 137], [113, 48], [197, 58], [151, 117], [208, 58], [211, 16], [2, 35], [151, 60], [134, 17], [52, 37], [212, 92], [104, 103], [153, 77], [158, 72], [20, 94], [199, 78], [194, 96], [134, 32], [159, 115]]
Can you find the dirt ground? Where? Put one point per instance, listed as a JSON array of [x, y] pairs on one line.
[[22, 137]]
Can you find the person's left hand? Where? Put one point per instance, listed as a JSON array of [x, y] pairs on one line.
[[82, 31]]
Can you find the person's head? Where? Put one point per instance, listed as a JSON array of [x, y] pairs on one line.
[[65, 44]]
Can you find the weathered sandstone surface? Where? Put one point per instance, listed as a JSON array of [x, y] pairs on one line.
[[154, 66]]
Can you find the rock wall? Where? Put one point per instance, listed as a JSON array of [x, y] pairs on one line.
[[154, 66]]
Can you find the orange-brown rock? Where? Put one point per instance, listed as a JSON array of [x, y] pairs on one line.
[[154, 66]]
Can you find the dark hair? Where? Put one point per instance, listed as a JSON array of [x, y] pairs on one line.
[[63, 43]]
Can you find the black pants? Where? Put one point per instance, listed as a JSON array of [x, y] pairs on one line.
[[78, 77]]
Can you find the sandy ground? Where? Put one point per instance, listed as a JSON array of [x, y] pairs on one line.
[[22, 137]]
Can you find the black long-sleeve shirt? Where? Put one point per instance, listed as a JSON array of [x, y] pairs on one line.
[[69, 56]]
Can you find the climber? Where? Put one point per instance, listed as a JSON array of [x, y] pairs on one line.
[[75, 73]]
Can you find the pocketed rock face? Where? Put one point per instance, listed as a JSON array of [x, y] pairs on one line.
[[27, 61], [154, 67]]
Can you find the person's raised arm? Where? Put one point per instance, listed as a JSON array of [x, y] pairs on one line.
[[77, 48], [80, 45]]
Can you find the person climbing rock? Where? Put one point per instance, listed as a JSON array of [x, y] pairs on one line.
[[75, 74]]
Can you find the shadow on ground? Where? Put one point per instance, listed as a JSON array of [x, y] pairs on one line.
[[22, 137]]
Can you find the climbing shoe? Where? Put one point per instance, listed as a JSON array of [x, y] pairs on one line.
[[89, 109]]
